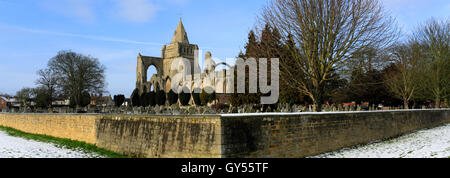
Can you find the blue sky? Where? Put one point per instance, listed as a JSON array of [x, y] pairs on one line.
[[115, 31]]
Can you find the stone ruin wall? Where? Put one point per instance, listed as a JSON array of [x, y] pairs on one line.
[[217, 136]]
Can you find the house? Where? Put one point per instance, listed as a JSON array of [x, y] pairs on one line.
[[3, 102], [60, 102], [14, 102], [101, 101]]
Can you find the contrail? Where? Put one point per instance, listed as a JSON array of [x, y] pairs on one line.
[[91, 37]]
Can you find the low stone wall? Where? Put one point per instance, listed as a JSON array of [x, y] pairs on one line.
[[215, 136], [134, 135], [302, 135], [161, 136], [72, 126]]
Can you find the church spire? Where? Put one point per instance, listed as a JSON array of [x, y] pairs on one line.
[[180, 35]]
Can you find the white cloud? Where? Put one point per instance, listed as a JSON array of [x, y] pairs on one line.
[[136, 10], [88, 11], [82, 10]]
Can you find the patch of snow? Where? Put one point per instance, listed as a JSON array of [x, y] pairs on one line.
[[431, 143], [15, 147]]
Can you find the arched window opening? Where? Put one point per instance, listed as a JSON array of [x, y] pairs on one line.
[[152, 88], [151, 71]]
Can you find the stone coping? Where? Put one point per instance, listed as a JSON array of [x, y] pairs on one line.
[[237, 114]]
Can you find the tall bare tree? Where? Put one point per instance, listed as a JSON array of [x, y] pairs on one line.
[[434, 36], [403, 80], [24, 95], [48, 80], [326, 34], [77, 74]]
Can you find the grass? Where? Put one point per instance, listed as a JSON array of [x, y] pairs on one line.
[[63, 143]]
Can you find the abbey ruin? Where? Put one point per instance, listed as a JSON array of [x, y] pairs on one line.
[[192, 77]]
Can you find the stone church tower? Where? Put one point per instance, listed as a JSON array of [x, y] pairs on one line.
[[178, 48]]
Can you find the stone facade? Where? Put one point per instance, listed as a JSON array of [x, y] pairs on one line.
[[179, 49], [71, 126], [302, 135], [161, 136]]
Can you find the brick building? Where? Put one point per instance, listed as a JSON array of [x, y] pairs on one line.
[[3, 102]]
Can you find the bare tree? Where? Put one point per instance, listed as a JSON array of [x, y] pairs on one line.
[[5, 95], [326, 34], [434, 36], [48, 80], [77, 74], [403, 80], [24, 96]]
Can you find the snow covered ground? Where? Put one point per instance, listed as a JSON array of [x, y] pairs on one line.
[[432, 143], [15, 147]]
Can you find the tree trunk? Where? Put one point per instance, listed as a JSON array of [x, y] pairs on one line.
[[437, 104], [317, 106], [318, 98], [446, 103], [405, 104]]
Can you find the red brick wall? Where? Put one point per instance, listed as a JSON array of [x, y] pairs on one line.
[[2, 103]]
